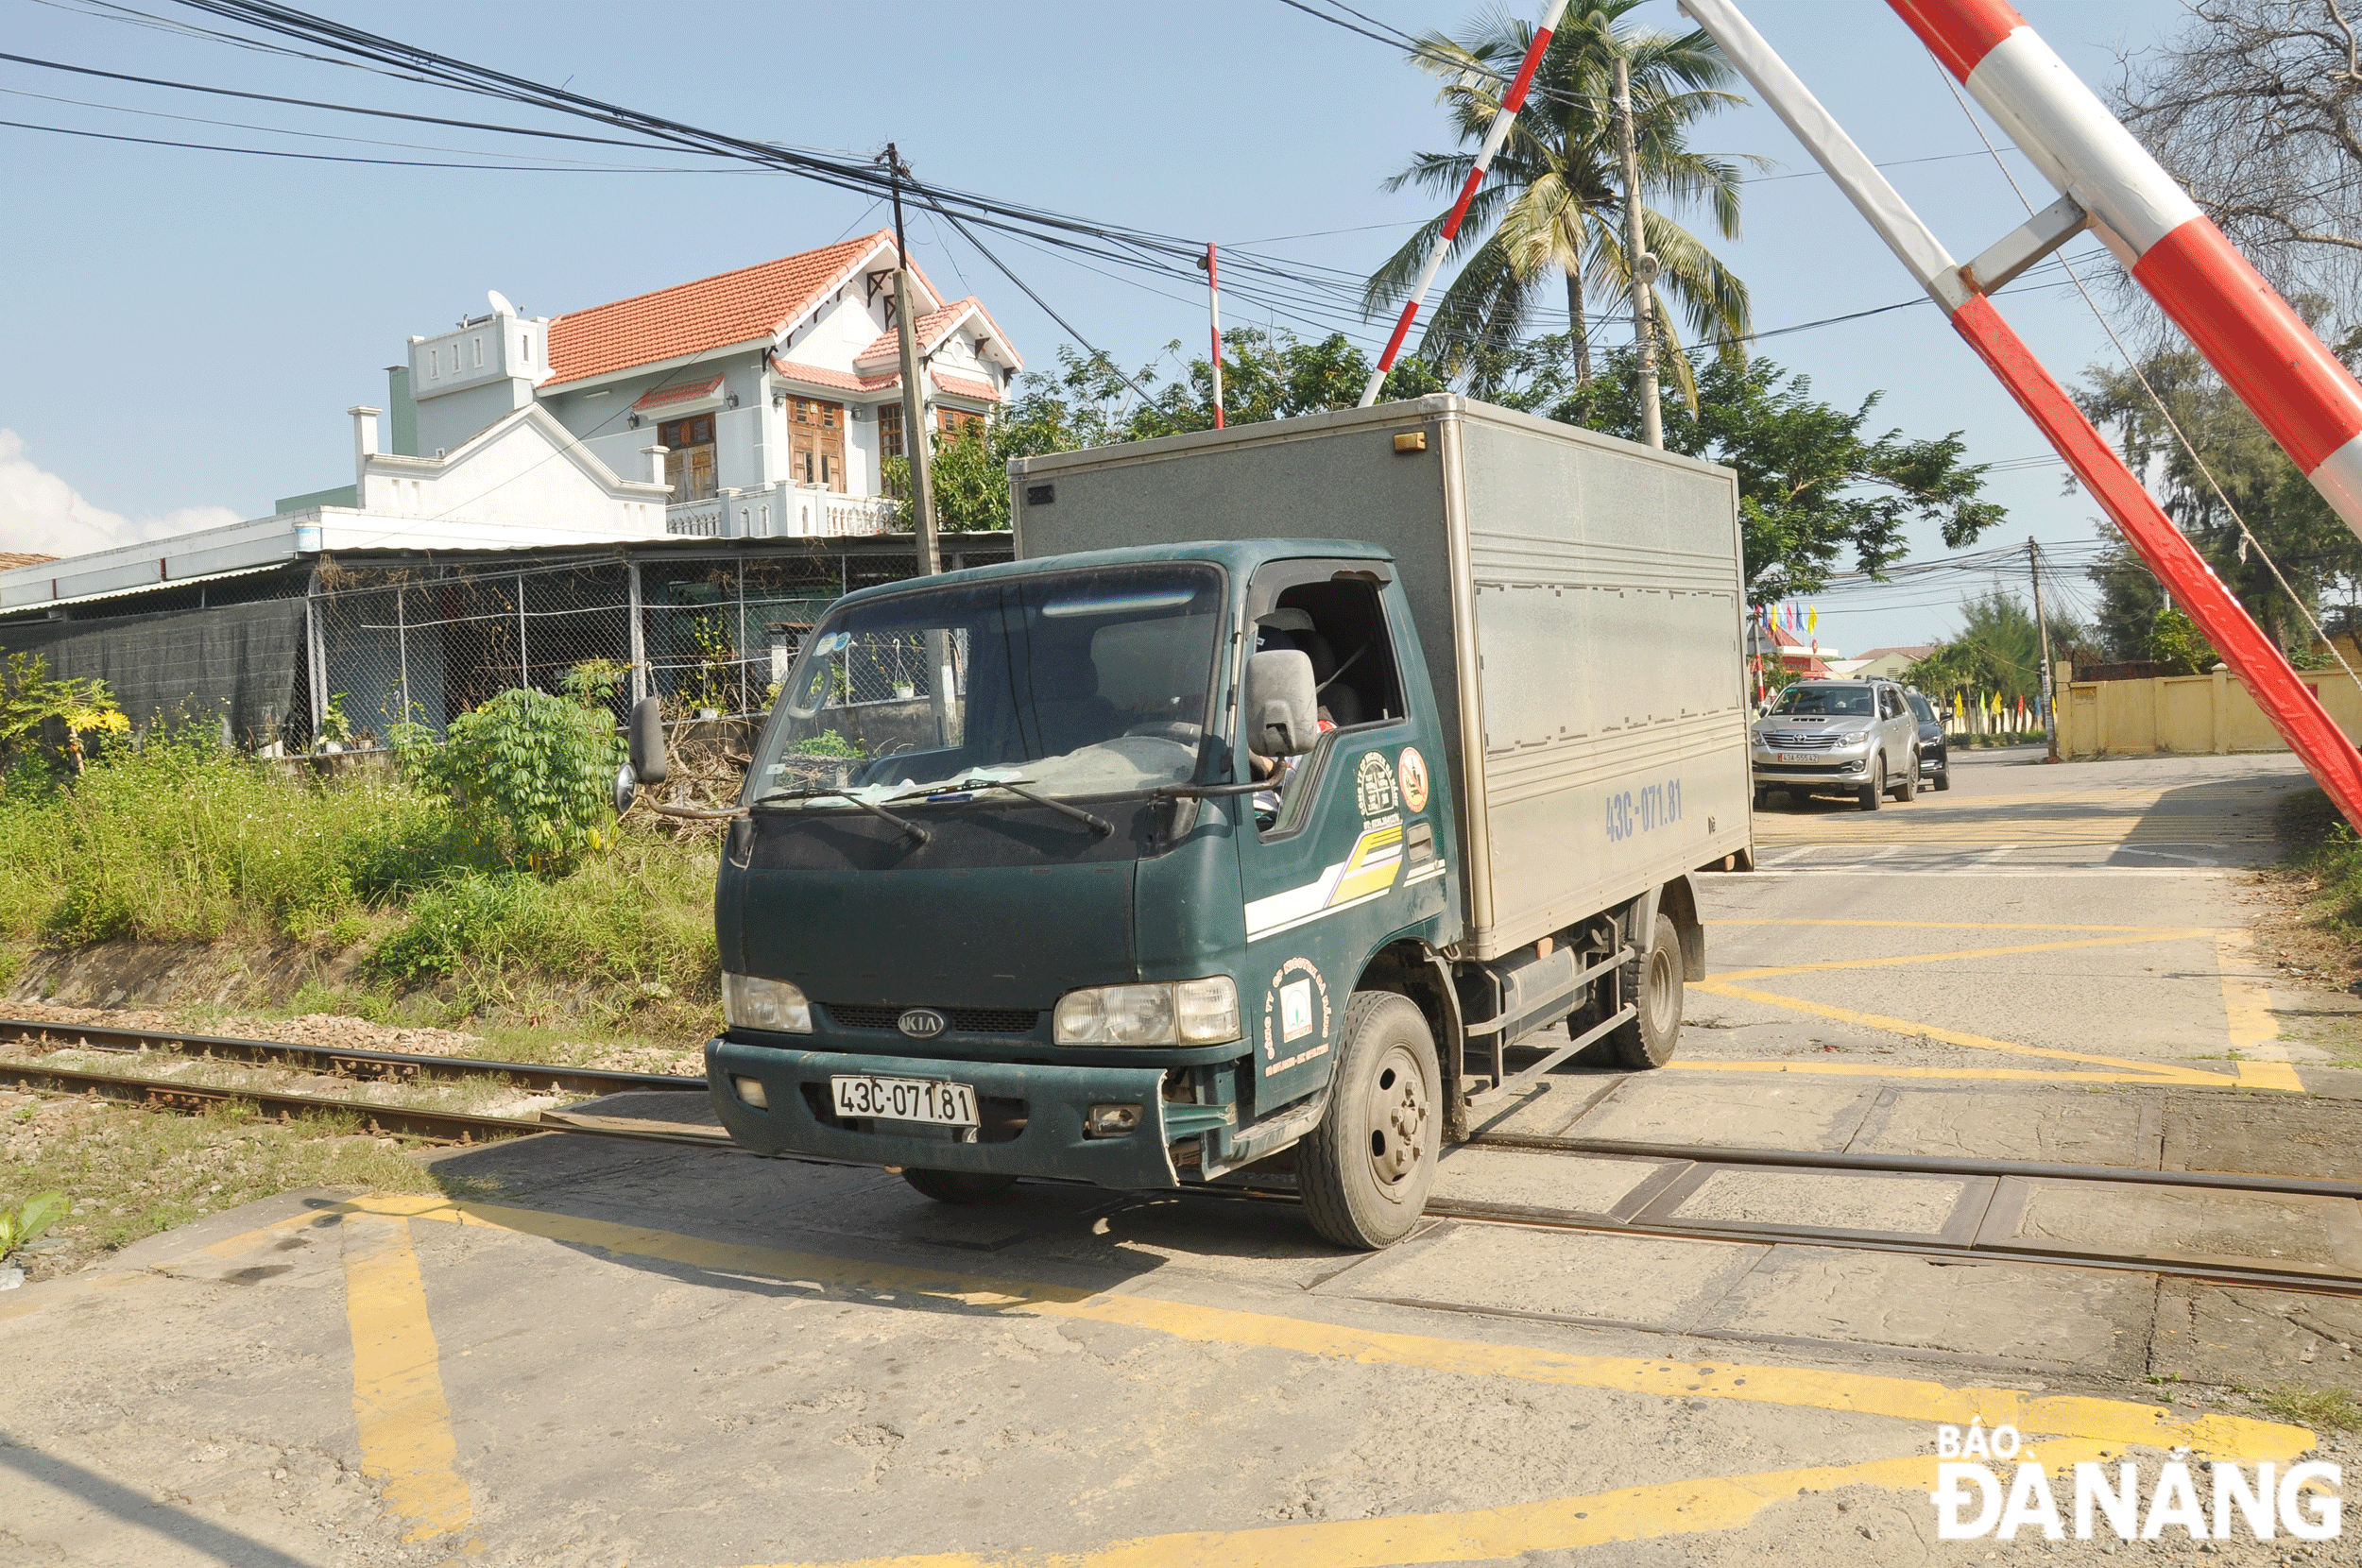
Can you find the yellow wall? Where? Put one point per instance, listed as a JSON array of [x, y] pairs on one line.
[[2184, 713]]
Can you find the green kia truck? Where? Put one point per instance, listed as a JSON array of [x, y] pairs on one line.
[[1305, 789]]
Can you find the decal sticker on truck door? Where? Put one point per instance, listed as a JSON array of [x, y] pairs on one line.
[[1364, 875], [1295, 1015], [1410, 773]]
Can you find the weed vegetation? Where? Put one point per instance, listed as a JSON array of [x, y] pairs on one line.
[[175, 839], [2321, 846], [130, 1174]]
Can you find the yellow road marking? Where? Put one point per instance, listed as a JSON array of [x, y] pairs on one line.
[[398, 1404], [2147, 934], [2147, 1072], [2247, 1003], [1561, 1524], [1956, 925], [1858, 1394]]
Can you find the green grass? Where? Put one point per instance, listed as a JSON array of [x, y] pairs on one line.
[[129, 1173], [177, 840], [2322, 1409], [2319, 843]]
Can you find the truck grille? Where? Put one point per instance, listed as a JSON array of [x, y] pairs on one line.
[[1781, 741], [964, 1020]]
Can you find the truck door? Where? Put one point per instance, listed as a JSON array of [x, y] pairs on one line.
[[1343, 853]]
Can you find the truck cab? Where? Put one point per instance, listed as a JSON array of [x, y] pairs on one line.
[[1029, 884]]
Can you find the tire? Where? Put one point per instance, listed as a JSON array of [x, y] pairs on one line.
[[1907, 788], [1365, 1170], [1763, 798], [1944, 775], [1649, 1040], [1875, 792], [957, 1186]]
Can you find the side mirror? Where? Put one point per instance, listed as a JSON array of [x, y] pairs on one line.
[[646, 734], [1282, 709]]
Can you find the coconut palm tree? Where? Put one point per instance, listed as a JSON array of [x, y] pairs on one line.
[[1553, 200]]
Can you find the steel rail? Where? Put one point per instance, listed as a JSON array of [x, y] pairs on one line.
[[458, 1127], [1923, 1165], [453, 1127], [345, 1060]]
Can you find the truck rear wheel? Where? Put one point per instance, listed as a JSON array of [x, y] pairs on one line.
[[1367, 1167], [1649, 1040], [957, 1186]]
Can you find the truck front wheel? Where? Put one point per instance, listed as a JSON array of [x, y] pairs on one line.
[[1648, 1041], [1367, 1167], [957, 1186]]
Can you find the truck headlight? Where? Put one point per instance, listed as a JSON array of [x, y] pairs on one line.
[[750, 1001], [1188, 1013]]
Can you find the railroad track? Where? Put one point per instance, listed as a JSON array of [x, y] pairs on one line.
[[1651, 1212]]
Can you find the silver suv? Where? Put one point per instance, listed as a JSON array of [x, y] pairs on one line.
[[1859, 737]]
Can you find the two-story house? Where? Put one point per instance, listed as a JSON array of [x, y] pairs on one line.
[[757, 403], [775, 391]]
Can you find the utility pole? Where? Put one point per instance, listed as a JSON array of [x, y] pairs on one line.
[[1213, 311], [1643, 265], [2049, 707], [915, 447]]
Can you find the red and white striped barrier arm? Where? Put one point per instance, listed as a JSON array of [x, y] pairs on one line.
[[2286, 700], [1493, 139], [2262, 350]]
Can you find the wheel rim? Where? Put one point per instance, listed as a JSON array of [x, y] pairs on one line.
[[1663, 993], [1400, 1121]]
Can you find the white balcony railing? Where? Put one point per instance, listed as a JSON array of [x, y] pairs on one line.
[[781, 511]]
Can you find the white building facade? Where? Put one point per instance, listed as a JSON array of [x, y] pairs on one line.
[[757, 403]]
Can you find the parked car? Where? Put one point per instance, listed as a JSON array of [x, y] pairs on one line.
[[1935, 756], [1859, 737]]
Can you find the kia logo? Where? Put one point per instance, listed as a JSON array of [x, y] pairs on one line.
[[922, 1023]]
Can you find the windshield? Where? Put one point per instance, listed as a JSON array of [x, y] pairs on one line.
[[1075, 683], [1848, 701], [1921, 707]]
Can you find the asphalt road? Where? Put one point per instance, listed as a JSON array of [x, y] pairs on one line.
[[599, 1355]]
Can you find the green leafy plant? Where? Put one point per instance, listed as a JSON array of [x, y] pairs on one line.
[[709, 684], [2178, 647], [827, 743], [30, 697], [534, 770], [336, 727], [24, 1223]]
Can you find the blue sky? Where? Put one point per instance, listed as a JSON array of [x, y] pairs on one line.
[[182, 330]]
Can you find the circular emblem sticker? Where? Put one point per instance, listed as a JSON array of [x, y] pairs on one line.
[[1373, 784], [1412, 770]]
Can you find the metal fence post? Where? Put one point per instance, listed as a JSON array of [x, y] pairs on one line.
[[401, 648], [639, 643], [744, 703], [316, 666], [524, 668]]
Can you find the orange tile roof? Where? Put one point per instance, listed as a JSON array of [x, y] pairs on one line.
[[11, 559], [960, 387], [934, 328], [844, 381], [663, 395], [689, 318]]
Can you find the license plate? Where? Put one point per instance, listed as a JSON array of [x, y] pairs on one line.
[[905, 1100]]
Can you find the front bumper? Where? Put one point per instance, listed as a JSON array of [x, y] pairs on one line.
[[1033, 1114], [1836, 770]]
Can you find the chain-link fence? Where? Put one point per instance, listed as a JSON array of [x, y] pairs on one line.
[[712, 634]]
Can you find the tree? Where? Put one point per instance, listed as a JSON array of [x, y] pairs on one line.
[[1553, 199], [1812, 482], [2282, 511], [1998, 648], [2256, 106], [1266, 376], [31, 700]]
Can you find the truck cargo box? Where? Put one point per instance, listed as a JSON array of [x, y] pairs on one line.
[[1579, 598]]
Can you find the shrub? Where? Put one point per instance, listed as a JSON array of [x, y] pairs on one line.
[[535, 772]]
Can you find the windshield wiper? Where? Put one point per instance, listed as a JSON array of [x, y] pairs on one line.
[[911, 829], [1098, 824]]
